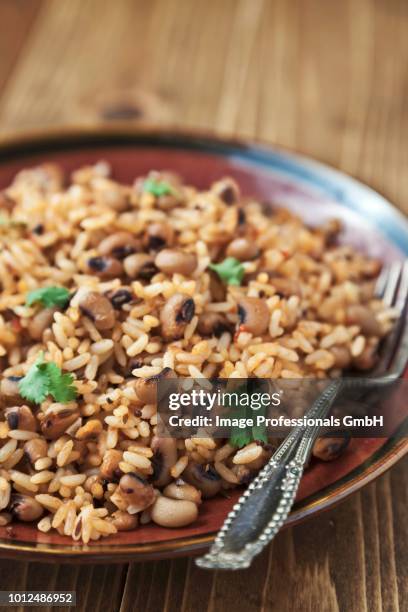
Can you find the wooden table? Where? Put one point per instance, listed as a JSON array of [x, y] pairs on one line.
[[327, 78]]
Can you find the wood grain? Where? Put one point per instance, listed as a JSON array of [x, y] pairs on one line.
[[16, 19], [326, 78]]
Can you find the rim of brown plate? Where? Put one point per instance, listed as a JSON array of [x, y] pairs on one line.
[[379, 462]]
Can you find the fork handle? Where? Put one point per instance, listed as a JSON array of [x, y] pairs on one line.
[[264, 507]]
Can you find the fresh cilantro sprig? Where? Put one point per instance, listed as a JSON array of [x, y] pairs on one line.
[[157, 188], [241, 436], [49, 297], [231, 271], [45, 378]]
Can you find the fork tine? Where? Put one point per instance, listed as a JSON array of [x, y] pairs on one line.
[[392, 288], [381, 282], [402, 294], [391, 284]]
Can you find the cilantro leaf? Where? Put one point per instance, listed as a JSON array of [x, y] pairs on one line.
[[157, 188], [35, 384], [242, 436], [45, 378], [48, 297], [259, 433], [62, 388], [231, 271]]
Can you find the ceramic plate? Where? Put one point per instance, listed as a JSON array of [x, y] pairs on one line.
[[311, 189]]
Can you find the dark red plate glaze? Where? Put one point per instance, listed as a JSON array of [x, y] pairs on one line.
[[273, 175]]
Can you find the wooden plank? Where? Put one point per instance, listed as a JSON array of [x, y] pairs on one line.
[[16, 20]]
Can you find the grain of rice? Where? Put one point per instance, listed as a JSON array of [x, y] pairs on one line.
[[19, 434], [103, 346], [23, 480], [48, 501], [247, 454], [13, 459], [77, 362], [137, 347], [137, 460], [42, 477], [64, 453], [7, 450], [144, 429], [179, 467], [5, 492], [59, 335], [223, 453], [358, 346], [73, 480]]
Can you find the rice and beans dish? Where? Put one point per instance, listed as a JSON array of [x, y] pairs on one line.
[[105, 288]]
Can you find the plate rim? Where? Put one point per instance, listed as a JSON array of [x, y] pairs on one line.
[[30, 142]]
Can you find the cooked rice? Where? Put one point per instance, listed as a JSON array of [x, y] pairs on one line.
[[305, 279]]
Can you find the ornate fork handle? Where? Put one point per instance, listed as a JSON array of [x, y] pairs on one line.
[[263, 508]]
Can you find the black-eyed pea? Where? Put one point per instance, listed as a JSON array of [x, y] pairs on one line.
[[40, 322], [123, 521], [168, 512], [136, 492], [158, 235], [364, 317], [35, 449], [242, 249], [140, 265], [25, 508], [21, 417], [91, 429], [146, 388], [342, 356], [182, 490], [164, 457], [204, 478], [175, 316], [119, 245], [213, 324], [56, 423], [174, 261], [328, 449], [99, 309], [253, 315], [104, 267], [227, 190]]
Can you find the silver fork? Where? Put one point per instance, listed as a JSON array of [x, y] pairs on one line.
[[264, 507]]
